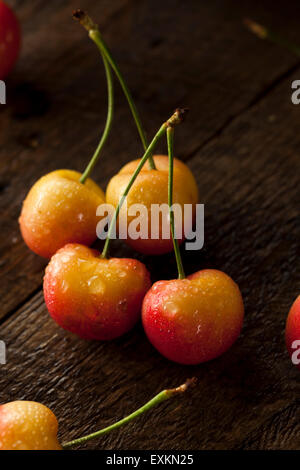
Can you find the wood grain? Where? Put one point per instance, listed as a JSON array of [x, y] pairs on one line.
[[242, 143]]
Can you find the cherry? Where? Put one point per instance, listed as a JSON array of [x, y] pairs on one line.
[[10, 39], [292, 332], [28, 425], [58, 210], [151, 187], [194, 319], [93, 297]]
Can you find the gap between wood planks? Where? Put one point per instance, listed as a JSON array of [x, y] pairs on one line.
[[215, 136]]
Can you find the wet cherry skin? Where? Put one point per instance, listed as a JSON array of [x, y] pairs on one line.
[[196, 319], [151, 187], [58, 210], [27, 425], [92, 297]]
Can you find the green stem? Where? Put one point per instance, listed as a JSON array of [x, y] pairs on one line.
[[162, 396], [109, 118], [264, 33], [175, 119], [96, 36], [170, 141]]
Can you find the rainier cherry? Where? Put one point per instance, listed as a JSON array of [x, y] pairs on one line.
[[10, 39], [28, 425], [58, 210], [194, 319], [151, 187], [95, 298], [292, 332]]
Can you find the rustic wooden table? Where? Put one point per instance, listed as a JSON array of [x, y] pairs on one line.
[[242, 142]]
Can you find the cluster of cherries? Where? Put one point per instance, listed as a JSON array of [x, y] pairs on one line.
[[188, 320]]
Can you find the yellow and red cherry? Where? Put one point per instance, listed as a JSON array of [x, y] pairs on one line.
[[292, 332], [195, 319], [94, 297], [59, 209], [151, 187], [10, 39], [27, 425]]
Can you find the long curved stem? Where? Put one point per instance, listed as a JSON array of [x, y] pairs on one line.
[[170, 141], [160, 397], [108, 124], [96, 36], [175, 119]]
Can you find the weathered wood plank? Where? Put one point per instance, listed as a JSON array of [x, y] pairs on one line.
[[249, 186], [281, 431]]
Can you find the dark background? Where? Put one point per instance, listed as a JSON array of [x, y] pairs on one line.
[[242, 142]]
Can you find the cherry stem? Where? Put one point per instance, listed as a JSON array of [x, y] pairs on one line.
[[96, 36], [162, 396], [264, 33], [175, 119], [170, 141], [108, 124]]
